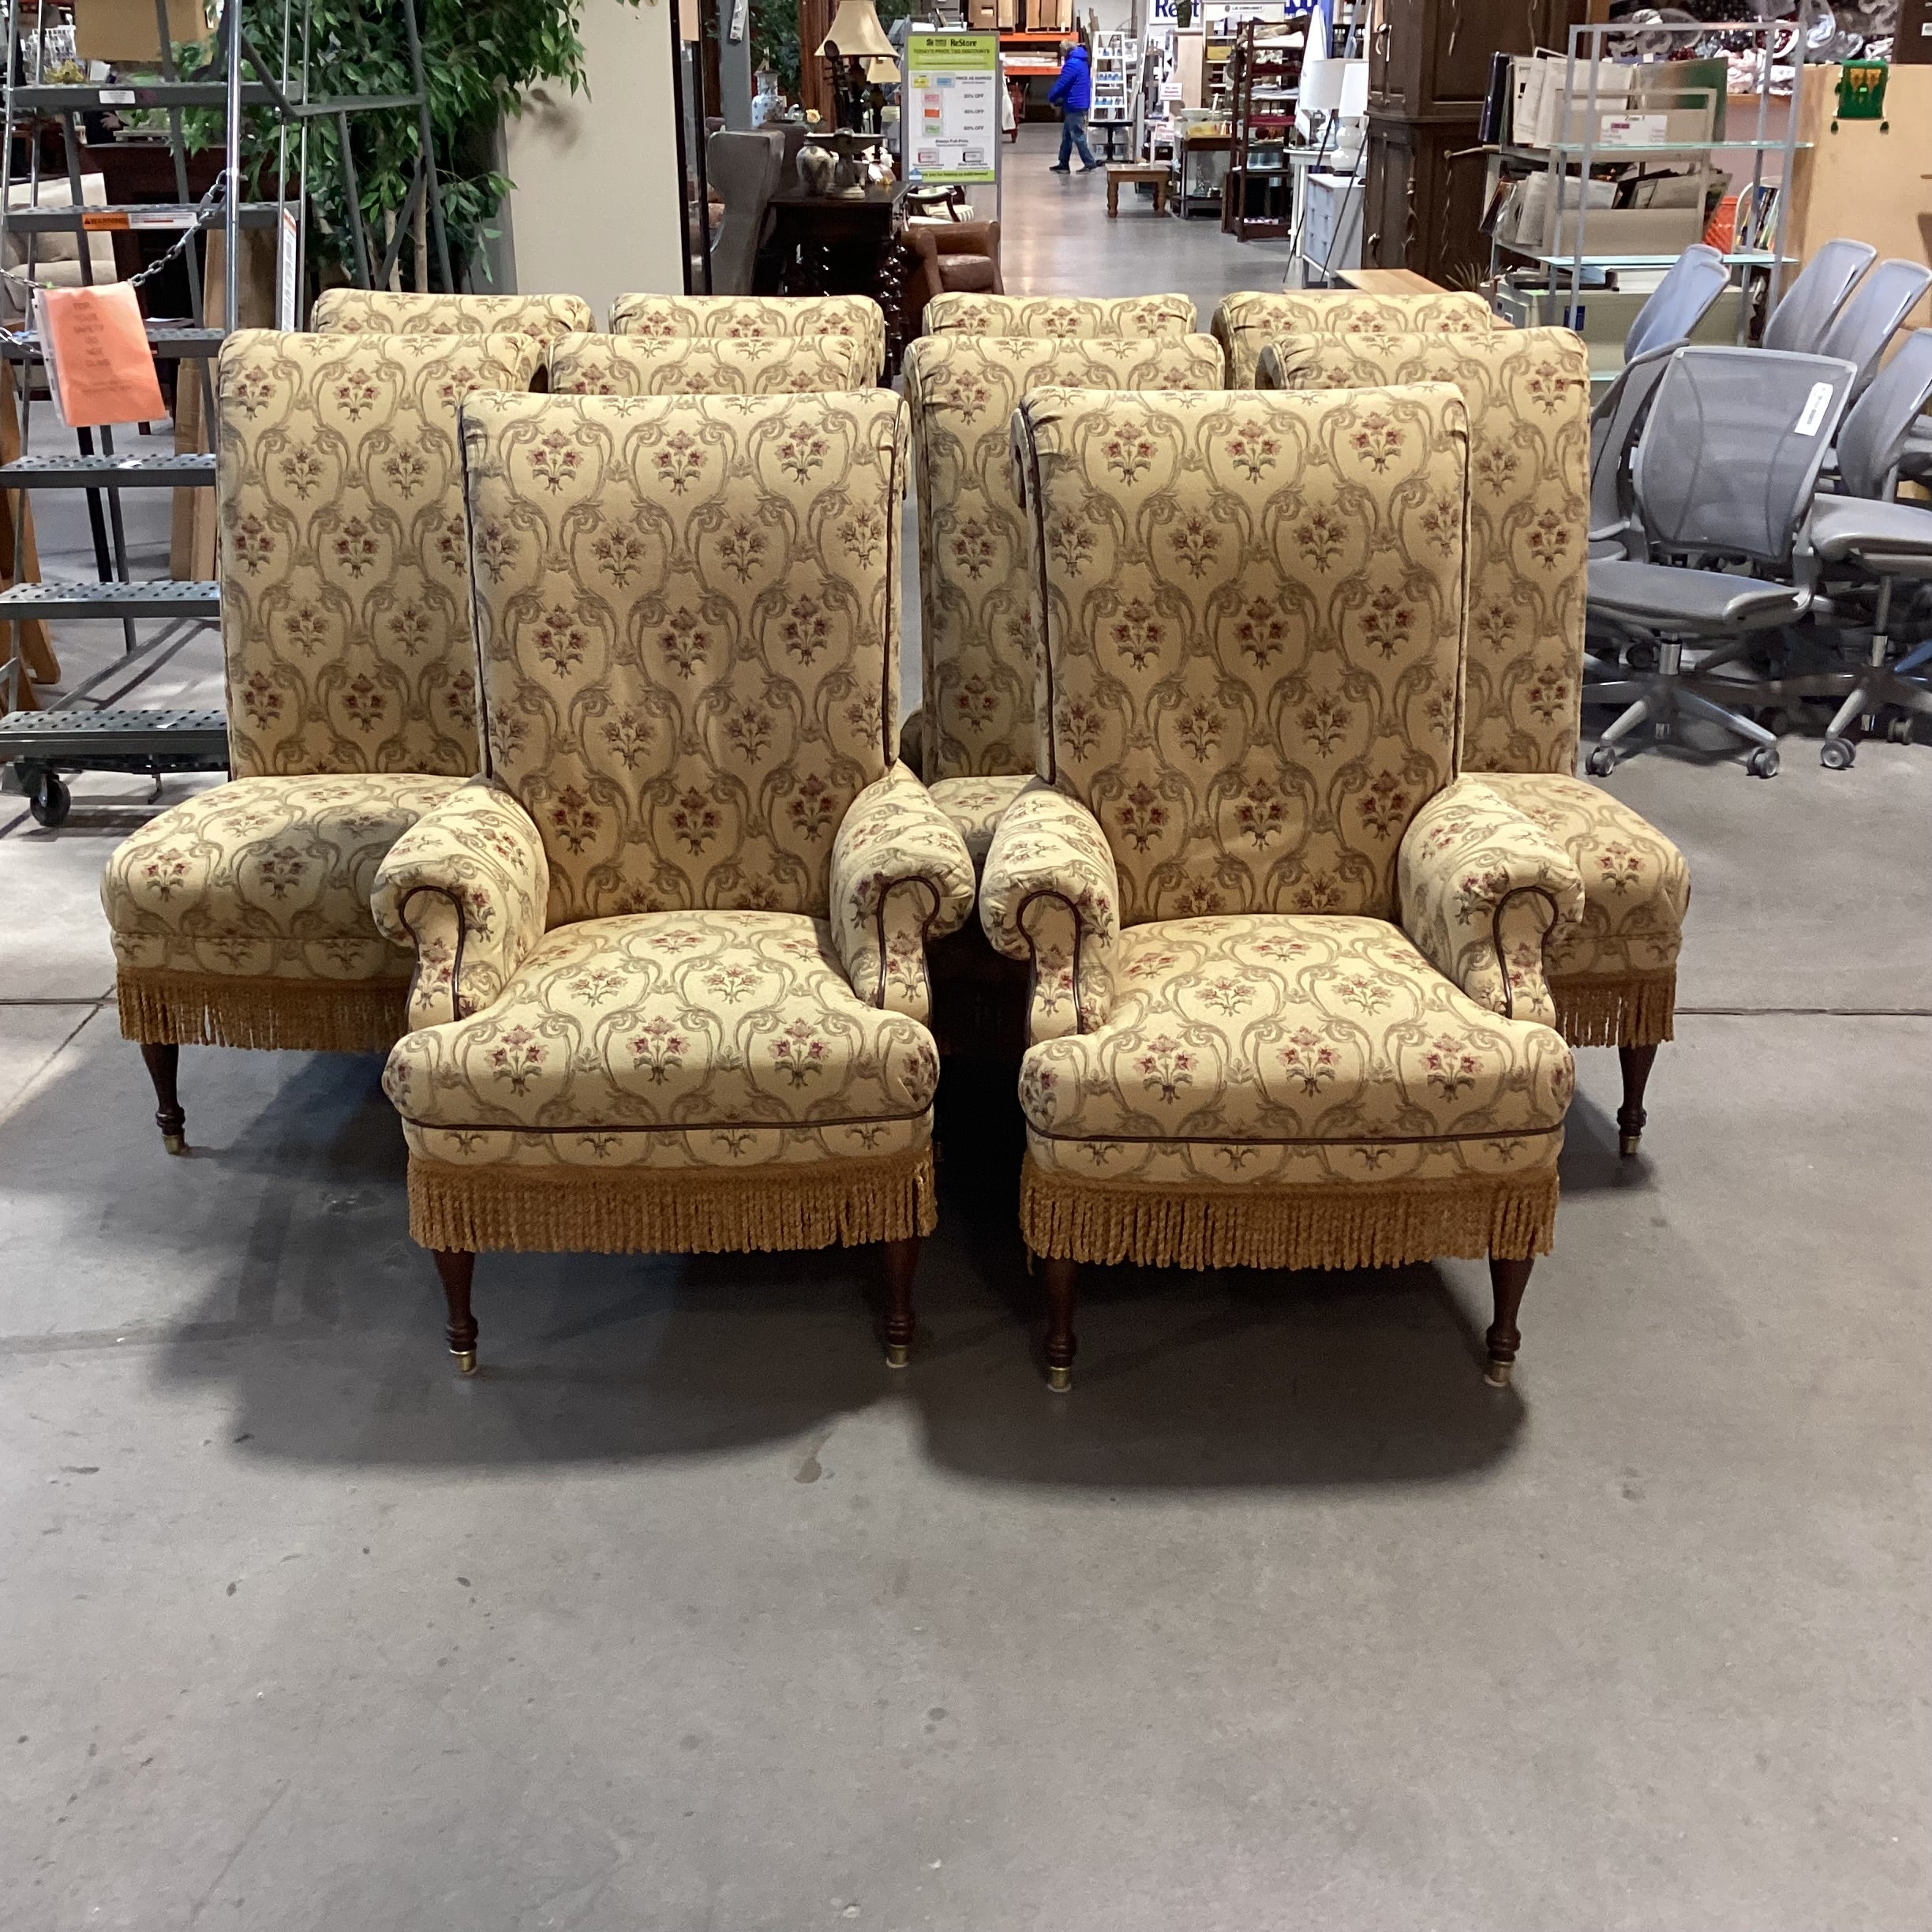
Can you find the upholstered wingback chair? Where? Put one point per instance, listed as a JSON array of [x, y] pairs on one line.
[[751, 317], [1613, 975], [670, 990], [1073, 315], [382, 312], [709, 365], [241, 916], [1288, 1008], [1247, 321]]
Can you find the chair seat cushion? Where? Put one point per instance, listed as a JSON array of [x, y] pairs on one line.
[[1843, 526], [1688, 599], [967, 274], [976, 805], [698, 1040], [1288, 1049], [266, 878]]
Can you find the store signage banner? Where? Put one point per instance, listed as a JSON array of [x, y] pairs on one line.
[[951, 109]]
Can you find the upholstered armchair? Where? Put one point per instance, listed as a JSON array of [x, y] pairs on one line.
[[671, 991], [1287, 1006], [752, 317], [382, 312], [1247, 321], [962, 257], [1613, 975], [241, 916], [708, 365], [1070, 315]]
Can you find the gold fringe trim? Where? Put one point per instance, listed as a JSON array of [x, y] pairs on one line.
[[1369, 1226], [212, 1009], [1620, 1010], [672, 1210]]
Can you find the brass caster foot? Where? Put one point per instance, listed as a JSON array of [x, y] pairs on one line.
[[466, 1361], [175, 1144], [1059, 1380], [898, 1355], [1497, 1374], [1627, 1143]]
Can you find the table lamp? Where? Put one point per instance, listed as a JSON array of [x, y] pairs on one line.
[[854, 40]]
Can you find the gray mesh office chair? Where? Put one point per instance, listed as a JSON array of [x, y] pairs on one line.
[[1811, 303], [1616, 422], [1863, 533], [1867, 322], [1725, 472], [1678, 303]]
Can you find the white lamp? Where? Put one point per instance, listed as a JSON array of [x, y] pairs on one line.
[[856, 33]]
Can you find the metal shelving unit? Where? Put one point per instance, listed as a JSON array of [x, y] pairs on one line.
[[1265, 74]]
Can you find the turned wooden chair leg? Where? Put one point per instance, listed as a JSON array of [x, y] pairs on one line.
[[1507, 1280], [163, 1066], [457, 1270], [1636, 1062], [901, 1260], [1062, 1279]]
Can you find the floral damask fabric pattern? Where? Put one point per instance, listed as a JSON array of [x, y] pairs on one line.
[[975, 805], [976, 599], [465, 886], [747, 318], [266, 878], [1246, 322], [1066, 316], [901, 876], [382, 312], [690, 1039], [344, 583], [1528, 395], [1484, 889], [1254, 613], [1276, 1050], [708, 365], [686, 612]]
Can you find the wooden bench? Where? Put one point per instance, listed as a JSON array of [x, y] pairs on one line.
[[1119, 171]]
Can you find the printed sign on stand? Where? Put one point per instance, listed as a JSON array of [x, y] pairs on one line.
[[951, 107]]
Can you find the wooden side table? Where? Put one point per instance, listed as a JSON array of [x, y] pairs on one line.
[[831, 245], [1119, 172]]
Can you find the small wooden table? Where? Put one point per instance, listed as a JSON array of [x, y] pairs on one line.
[[1389, 281], [1128, 171]]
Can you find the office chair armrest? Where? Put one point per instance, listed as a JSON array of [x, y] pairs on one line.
[[466, 887], [1483, 888]]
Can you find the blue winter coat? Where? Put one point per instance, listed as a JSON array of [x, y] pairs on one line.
[[1072, 88]]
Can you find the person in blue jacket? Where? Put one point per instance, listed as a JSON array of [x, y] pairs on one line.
[[1072, 93]]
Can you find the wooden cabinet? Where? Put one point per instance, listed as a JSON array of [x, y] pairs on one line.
[[1430, 59], [1422, 210]]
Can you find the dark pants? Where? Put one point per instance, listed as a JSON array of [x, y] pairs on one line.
[[1073, 134]]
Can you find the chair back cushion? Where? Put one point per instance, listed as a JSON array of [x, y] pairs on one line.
[[345, 586], [976, 619], [687, 615], [750, 317], [1253, 633], [1069, 316], [1249, 320], [381, 311], [1528, 395], [637, 366]]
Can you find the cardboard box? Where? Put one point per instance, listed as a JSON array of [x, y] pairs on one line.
[[125, 30], [982, 15], [1008, 13]]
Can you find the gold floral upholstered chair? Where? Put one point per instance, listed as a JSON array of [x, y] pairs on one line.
[[1246, 322], [382, 312], [709, 365], [241, 916], [671, 991], [1066, 316], [748, 318], [1613, 975], [1287, 1006]]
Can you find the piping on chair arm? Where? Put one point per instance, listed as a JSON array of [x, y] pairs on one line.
[[1050, 893], [902, 877], [1483, 888], [466, 886]]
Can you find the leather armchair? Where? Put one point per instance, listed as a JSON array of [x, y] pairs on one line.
[[950, 256]]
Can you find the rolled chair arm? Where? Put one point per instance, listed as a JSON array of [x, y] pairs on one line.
[[1050, 893], [902, 877], [466, 886], [1483, 888]]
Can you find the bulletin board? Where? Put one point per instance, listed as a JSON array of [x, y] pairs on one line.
[[950, 108]]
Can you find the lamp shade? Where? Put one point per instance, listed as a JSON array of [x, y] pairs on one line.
[[1354, 101], [881, 72], [856, 33]]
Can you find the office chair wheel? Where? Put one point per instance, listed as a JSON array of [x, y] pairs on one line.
[[1602, 762], [1899, 730], [1763, 762], [1836, 754], [1642, 656]]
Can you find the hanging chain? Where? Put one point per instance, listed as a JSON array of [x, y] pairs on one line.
[[195, 226]]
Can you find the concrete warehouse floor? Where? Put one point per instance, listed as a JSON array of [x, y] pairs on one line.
[[686, 1614]]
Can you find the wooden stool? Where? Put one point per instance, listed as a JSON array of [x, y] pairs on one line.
[[1119, 171]]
